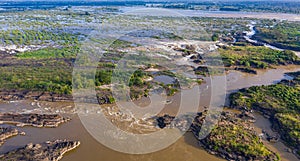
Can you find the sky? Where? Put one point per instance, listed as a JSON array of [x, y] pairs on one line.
[[161, 0]]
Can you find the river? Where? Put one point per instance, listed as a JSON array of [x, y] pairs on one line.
[[219, 14], [185, 148]]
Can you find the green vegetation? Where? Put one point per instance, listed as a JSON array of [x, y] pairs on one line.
[[137, 80], [284, 35], [279, 97], [232, 138], [280, 101], [45, 75], [220, 28], [215, 37], [246, 58], [30, 37], [164, 35], [235, 138], [67, 52], [290, 123], [255, 57], [120, 44]]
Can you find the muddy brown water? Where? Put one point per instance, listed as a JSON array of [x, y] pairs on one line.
[[186, 148]]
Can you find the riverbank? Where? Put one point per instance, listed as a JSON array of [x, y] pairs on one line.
[[224, 14]]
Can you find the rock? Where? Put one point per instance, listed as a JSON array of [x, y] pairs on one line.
[[288, 150], [41, 96], [267, 116], [246, 115], [53, 151], [29, 146], [7, 132], [36, 120], [22, 133], [165, 120]]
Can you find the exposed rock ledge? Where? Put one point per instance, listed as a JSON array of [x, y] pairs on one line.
[[49, 151], [35, 95], [36, 120], [7, 132]]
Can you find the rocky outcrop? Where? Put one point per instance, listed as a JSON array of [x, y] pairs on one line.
[[247, 115], [35, 95], [7, 132], [103, 96], [49, 151], [36, 120], [164, 121]]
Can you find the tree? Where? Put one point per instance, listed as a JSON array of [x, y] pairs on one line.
[[215, 37]]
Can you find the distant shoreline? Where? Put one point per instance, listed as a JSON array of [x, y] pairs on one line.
[[223, 14]]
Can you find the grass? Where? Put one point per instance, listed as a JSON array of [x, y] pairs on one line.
[[232, 140], [46, 53], [43, 76]]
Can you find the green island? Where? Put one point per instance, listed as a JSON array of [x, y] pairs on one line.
[[232, 138], [256, 57], [279, 102], [237, 140], [284, 35], [247, 58]]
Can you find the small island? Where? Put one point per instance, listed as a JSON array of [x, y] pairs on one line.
[[50, 150], [233, 138]]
